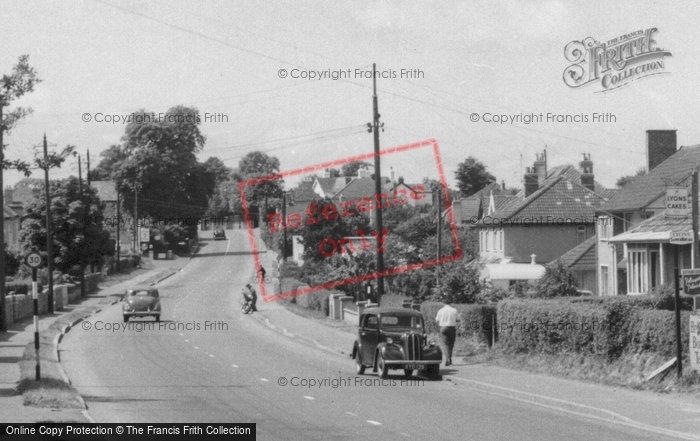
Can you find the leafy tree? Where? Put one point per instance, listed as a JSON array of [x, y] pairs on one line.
[[111, 157], [334, 172], [159, 163], [557, 281], [216, 167], [77, 236], [628, 179], [13, 261], [12, 87], [472, 176]]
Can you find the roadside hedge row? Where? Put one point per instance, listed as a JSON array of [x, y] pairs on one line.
[[609, 328], [647, 301], [475, 321]]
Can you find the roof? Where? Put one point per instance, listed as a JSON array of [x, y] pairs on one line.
[[397, 311], [655, 229], [106, 190], [513, 271], [559, 201], [331, 186], [9, 213], [646, 189], [581, 256], [356, 189]]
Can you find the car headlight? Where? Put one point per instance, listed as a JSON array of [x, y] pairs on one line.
[[432, 342], [390, 340]]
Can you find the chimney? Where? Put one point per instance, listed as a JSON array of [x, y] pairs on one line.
[[503, 187], [326, 173], [541, 166], [533, 259], [363, 172], [8, 195], [400, 179], [530, 177], [392, 175], [661, 144], [587, 177]]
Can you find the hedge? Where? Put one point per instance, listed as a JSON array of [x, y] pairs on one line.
[[646, 301], [475, 321], [21, 287], [610, 329]]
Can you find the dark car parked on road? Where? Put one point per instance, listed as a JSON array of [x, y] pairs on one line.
[[219, 234], [141, 302], [395, 338]]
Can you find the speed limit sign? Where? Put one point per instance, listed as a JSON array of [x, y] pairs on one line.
[[33, 260]]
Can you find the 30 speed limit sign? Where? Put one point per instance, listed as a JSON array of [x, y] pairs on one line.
[[33, 260]]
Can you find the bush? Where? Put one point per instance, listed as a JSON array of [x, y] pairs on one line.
[[13, 261], [21, 287], [557, 281], [663, 301]]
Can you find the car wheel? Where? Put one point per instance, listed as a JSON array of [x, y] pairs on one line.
[[359, 367], [126, 318], [383, 368], [408, 372], [158, 318], [433, 372]]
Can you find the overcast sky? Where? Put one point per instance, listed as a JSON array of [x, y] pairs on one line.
[[501, 57]]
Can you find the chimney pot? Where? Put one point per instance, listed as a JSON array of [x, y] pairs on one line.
[[533, 259]]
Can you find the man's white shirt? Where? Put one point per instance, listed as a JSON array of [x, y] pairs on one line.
[[447, 316]]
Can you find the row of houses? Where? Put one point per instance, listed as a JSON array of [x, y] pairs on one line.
[[616, 241]]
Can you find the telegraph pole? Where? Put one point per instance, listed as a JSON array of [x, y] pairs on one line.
[[439, 239], [88, 167], [377, 183], [49, 234], [694, 199], [119, 227], [3, 304], [82, 200], [284, 230]]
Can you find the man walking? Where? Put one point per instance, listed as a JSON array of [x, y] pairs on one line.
[[253, 296], [447, 321]]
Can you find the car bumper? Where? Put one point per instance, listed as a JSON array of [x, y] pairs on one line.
[[412, 362], [141, 312]]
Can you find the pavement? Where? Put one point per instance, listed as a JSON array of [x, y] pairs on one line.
[[669, 414], [17, 344]]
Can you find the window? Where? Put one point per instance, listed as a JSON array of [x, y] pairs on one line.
[[580, 233], [482, 241], [604, 280], [637, 271], [627, 221], [371, 322], [503, 245]]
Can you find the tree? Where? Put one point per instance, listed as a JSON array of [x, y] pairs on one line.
[[350, 169], [216, 167], [334, 173], [111, 157], [472, 176], [258, 164], [78, 234], [628, 179], [20, 82], [159, 163]]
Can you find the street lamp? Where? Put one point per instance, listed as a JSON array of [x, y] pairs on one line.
[[439, 234]]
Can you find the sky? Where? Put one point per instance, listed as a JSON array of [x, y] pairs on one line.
[[101, 58]]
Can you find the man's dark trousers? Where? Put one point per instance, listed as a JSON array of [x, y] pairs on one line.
[[449, 334]]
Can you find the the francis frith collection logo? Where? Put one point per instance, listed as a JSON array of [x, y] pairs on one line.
[[614, 63]]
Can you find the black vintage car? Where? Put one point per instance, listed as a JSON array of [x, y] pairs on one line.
[[395, 338]]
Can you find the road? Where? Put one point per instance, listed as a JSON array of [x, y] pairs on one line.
[[232, 373]]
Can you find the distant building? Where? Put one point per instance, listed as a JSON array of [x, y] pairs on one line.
[[11, 226]]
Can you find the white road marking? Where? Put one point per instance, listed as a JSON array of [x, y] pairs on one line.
[[211, 355], [264, 379], [196, 347], [375, 423], [308, 397], [187, 340], [351, 414], [234, 365], [182, 335]]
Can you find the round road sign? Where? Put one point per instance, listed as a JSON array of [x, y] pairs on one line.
[[33, 260]]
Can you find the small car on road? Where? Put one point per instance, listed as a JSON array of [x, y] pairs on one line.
[[219, 234], [141, 301], [395, 338]]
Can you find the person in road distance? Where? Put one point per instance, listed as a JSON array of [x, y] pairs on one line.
[[253, 297], [447, 321]]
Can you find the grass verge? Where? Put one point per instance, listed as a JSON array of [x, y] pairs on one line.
[[49, 392]]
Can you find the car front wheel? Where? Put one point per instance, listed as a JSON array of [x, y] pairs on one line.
[[408, 372], [157, 317], [383, 368], [126, 318], [359, 367]]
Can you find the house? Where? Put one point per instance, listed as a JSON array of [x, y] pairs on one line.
[[22, 193], [554, 213], [11, 227], [634, 253], [484, 202], [581, 261]]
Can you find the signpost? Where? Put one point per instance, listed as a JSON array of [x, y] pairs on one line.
[[34, 261], [694, 340], [691, 281], [677, 202]]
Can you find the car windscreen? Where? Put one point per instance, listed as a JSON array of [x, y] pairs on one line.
[[142, 293], [412, 322]]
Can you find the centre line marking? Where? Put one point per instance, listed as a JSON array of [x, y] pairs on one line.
[[308, 397], [376, 423]]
